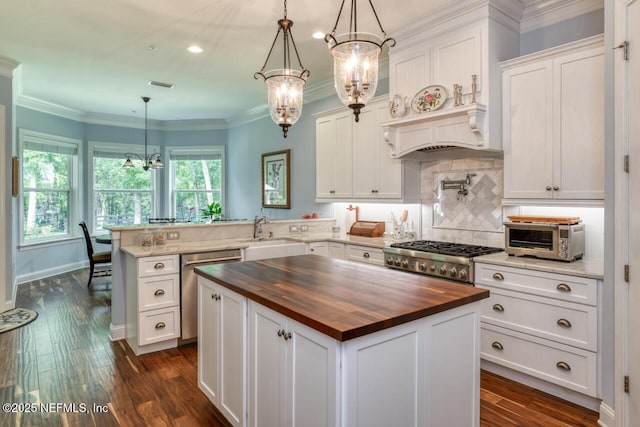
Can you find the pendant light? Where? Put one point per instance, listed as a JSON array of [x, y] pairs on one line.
[[148, 160], [284, 85], [355, 60]]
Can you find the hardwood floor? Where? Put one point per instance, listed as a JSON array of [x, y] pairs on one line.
[[66, 358]]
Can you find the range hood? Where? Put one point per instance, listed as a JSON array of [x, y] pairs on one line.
[[450, 133]]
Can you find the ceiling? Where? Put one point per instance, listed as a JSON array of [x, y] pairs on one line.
[[97, 57]]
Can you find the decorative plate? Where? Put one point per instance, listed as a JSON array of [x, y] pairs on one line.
[[429, 99]]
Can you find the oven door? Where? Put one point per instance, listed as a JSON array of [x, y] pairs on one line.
[[531, 239]]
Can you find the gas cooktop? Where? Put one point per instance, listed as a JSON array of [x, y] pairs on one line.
[[446, 248]]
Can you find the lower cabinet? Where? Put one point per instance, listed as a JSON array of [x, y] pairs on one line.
[[543, 324], [293, 372], [365, 254], [222, 319], [318, 248]]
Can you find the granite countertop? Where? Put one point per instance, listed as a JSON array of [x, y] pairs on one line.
[[339, 298], [593, 269], [223, 244]]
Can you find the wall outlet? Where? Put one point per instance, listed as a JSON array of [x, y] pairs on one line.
[[293, 229], [304, 227], [173, 235]]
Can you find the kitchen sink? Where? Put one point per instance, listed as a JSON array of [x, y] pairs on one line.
[[265, 249]]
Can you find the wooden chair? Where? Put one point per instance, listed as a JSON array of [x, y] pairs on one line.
[[95, 257]]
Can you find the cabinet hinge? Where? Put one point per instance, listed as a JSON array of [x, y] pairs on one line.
[[626, 384], [625, 49], [626, 163], [626, 273]]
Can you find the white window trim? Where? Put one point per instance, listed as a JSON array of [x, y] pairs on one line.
[[74, 185], [169, 177], [116, 147]]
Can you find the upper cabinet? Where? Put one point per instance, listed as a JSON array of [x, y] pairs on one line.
[[448, 54], [353, 160], [554, 124]]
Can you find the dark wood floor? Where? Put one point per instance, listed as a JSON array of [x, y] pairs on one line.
[[65, 357]]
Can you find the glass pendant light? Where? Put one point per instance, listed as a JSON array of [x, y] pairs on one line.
[[355, 60], [284, 85], [151, 161]]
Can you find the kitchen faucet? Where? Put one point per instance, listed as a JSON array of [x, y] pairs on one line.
[[257, 225]]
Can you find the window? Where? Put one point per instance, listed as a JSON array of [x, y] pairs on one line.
[[119, 196], [197, 180], [49, 196]]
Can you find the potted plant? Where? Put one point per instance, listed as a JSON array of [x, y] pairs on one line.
[[213, 211]]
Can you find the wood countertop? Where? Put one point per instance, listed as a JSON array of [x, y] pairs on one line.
[[341, 299]]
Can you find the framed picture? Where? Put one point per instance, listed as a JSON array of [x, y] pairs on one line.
[[276, 170]]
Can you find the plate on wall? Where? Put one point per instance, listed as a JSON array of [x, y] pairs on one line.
[[429, 99]]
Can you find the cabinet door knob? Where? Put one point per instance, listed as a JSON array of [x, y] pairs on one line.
[[287, 336], [498, 276], [158, 266], [497, 345], [213, 296], [366, 255], [564, 366], [564, 323], [280, 332], [563, 287], [218, 297], [498, 307], [159, 292], [332, 191], [548, 188], [160, 325], [556, 188]]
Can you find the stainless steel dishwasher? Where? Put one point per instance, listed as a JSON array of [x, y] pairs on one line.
[[189, 287]]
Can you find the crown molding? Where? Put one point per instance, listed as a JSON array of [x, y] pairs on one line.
[[7, 66], [542, 13], [36, 104]]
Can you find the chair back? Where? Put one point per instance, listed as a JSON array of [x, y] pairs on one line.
[[87, 238]]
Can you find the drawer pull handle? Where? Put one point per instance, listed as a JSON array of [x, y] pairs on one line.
[[498, 307], [366, 255], [497, 345], [563, 287], [160, 325], [498, 276], [564, 323], [158, 266], [564, 366], [159, 292]]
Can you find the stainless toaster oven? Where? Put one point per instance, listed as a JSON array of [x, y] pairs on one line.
[[563, 242]]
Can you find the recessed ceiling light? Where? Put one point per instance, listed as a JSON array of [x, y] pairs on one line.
[[194, 49], [318, 35]]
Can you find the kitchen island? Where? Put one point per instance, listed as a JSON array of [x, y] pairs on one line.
[[311, 340]]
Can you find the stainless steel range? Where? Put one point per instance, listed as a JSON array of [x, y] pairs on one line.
[[451, 261]]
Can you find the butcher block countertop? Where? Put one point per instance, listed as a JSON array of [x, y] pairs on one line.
[[341, 299]]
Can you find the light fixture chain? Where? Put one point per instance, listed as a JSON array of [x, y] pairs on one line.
[[285, 9], [353, 22], [338, 18], [377, 19]]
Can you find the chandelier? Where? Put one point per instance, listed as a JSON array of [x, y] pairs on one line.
[[148, 160], [284, 85], [355, 60]]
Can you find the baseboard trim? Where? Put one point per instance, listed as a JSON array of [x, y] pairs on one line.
[[117, 332], [41, 274], [607, 416]]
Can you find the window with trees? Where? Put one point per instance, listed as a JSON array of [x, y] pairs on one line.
[[49, 196], [120, 196], [197, 180]]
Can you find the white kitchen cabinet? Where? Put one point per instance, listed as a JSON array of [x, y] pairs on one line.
[[293, 372], [334, 155], [152, 311], [222, 318], [336, 250], [364, 254], [543, 324], [318, 248], [554, 124], [366, 171]]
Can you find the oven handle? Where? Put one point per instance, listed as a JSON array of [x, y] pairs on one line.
[[212, 260], [531, 225]]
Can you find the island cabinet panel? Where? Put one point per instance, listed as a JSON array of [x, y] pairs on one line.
[[222, 316], [293, 372]]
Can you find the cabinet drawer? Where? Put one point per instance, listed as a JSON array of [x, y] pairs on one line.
[[159, 325], [566, 366], [564, 322], [365, 254], [157, 265], [158, 292], [560, 286]]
